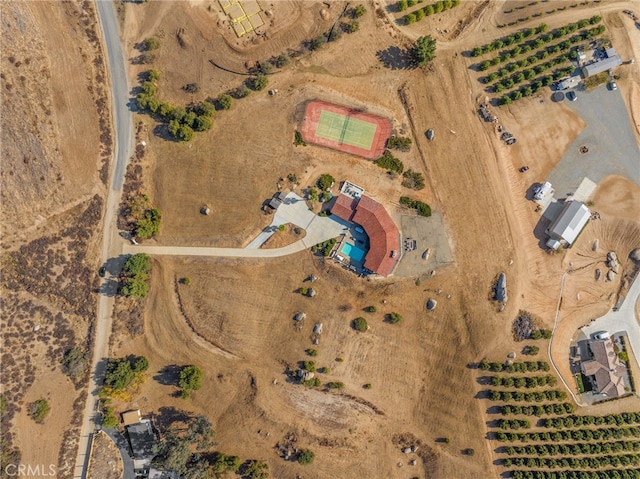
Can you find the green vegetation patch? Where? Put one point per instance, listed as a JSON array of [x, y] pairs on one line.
[[422, 208]]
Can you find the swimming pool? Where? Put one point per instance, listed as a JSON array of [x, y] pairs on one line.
[[353, 252]]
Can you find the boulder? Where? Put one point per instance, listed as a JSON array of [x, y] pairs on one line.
[[611, 275], [598, 274], [611, 255], [431, 304], [596, 243], [317, 329], [635, 255], [299, 316]]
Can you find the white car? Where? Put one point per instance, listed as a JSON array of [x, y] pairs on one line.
[[601, 335], [614, 85]]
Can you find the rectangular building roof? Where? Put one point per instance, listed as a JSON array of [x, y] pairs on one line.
[[142, 440], [572, 219], [601, 66], [606, 368]]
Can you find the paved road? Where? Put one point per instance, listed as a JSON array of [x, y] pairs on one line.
[[111, 242], [622, 320]]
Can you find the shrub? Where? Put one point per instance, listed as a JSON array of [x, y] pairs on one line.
[[190, 379], [186, 281], [358, 11], [149, 225], [38, 410], [225, 101], [202, 123], [394, 318], [360, 324], [390, 162], [305, 456], [325, 181], [109, 419], [335, 385], [74, 363], [153, 75], [298, 140], [413, 180], [402, 5], [400, 143], [372, 309], [282, 60], [309, 366], [410, 18], [311, 352], [422, 208], [316, 43], [150, 43], [351, 27], [366, 386], [259, 82], [424, 50], [242, 91]]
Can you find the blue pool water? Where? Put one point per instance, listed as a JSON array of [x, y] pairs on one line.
[[353, 252]]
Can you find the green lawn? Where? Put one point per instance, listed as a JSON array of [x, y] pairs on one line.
[[347, 130]]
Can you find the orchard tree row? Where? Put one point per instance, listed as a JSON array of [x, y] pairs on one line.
[[596, 462], [538, 410], [605, 474], [581, 448], [524, 381], [570, 435], [534, 396], [625, 418], [516, 367]]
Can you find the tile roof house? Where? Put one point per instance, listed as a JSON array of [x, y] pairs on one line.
[[605, 368], [384, 237]]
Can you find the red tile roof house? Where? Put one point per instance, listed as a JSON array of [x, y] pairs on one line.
[[384, 237]]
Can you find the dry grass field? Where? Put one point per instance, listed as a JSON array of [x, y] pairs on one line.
[[235, 318], [56, 143]]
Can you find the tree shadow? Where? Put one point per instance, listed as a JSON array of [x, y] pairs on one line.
[[168, 415], [395, 58], [169, 375], [473, 366], [484, 394], [484, 380], [494, 410], [162, 131]]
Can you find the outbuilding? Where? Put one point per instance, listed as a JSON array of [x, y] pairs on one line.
[[568, 225]]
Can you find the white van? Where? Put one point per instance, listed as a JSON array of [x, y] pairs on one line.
[[601, 335]]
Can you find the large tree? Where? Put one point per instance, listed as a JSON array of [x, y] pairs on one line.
[[424, 50]]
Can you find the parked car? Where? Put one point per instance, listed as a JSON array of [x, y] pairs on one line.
[[601, 335], [571, 96], [613, 85], [102, 271]]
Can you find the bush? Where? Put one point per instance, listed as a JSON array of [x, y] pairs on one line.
[[358, 11], [390, 162], [150, 43], [316, 43], [282, 60], [410, 18], [372, 309], [186, 281], [351, 27], [422, 208], [38, 410], [394, 318], [259, 82], [325, 181], [225, 101], [202, 123], [402, 5], [309, 366], [335, 385], [242, 91], [312, 352], [190, 379], [266, 67], [109, 419], [360, 324], [298, 140], [424, 50], [305, 456], [413, 180], [400, 143], [74, 363], [149, 225], [325, 247], [366, 386]]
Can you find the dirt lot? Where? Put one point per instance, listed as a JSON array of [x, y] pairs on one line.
[[235, 318], [55, 146]]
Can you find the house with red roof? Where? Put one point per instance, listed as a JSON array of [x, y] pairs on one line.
[[384, 236]]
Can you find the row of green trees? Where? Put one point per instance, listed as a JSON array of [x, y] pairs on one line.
[[390, 162], [606, 474], [570, 435], [523, 75], [434, 8], [534, 396], [581, 448], [624, 418], [596, 462], [538, 410], [520, 37], [135, 276], [534, 87], [538, 43], [516, 367], [182, 122], [524, 381], [514, 424]]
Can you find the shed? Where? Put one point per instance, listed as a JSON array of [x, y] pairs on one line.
[[131, 417], [568, 225], [277, 200], [608, 63]]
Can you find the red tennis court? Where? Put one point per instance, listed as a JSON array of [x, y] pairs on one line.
[[345, 129]]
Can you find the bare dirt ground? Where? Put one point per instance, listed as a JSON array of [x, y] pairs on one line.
[[56, 142], [290, 235], [235, 318], [105, 459]]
